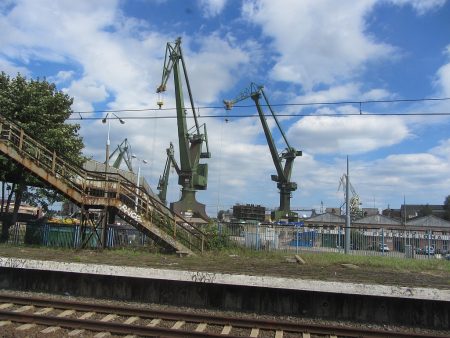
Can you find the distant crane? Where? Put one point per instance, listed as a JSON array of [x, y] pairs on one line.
[[283, 177], [123, 152], [164, 178], [355, 202], [193, 175]]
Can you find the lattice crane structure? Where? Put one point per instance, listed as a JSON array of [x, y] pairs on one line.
[[193, 175], [123, 153], [355, 202], [283, 177], [164, 178]]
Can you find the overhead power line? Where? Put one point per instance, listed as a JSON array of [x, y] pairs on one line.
[[256, 115], [273, 105]]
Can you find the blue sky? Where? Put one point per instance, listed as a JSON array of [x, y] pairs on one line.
[[109, 55]]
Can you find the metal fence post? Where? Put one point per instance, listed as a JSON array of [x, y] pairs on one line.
[[257, 236]]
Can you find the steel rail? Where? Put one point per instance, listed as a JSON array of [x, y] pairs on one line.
[[111, 327], [211, 319]]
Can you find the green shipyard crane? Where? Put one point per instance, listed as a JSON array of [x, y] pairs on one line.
[[123, 152], [283, 177], [193, 175], [164, 178]]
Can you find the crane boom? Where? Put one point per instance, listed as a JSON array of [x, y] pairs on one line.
[[192, 175], [283, 177], [124, 153], [164, 178]]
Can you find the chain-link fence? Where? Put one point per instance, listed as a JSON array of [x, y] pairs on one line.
[[287, 238], [74, 236], [363, 241]]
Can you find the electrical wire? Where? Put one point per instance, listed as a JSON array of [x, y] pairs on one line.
[[360, 103], [257, 116]]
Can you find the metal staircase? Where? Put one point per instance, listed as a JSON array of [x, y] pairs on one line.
[[101, 190]]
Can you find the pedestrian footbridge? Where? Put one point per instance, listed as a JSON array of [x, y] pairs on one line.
[[94, 190]]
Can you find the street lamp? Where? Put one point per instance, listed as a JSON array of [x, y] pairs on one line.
[[138, 179], [108, 142]]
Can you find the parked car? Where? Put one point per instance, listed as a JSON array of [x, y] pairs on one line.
[[383, 247], [426, 250], [441, 251]]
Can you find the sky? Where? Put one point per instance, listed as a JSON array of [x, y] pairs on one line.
[[317, 59]]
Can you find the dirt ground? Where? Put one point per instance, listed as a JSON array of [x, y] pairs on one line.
[[345, 268]]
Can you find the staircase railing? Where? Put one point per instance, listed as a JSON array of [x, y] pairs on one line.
[[97, 188]]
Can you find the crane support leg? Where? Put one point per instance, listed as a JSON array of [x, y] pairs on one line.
[[188, 206]]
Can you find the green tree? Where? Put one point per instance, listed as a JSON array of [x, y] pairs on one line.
[[447, 208], [41, 110]]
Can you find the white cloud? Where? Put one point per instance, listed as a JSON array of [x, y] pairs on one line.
[[330, 39], [212, 68], [62, 76], [442, 150], [349, 91], [212, 8], [420, 6], [347, 134], [443, 76], [85, 92], [11, 69]]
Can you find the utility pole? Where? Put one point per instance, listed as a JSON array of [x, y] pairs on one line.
[[347, 212]]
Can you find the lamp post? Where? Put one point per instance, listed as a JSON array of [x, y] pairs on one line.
[[138, 179], [108, 143]]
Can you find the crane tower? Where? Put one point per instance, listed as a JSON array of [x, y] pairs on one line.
[[192, 175], [283, 177], [355, 202]]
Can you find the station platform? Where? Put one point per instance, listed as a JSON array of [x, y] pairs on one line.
[[427, 307], [229, 279]]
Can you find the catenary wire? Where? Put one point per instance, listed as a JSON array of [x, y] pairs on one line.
[[273, 105], [257, 116]]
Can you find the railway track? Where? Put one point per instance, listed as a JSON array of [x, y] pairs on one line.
[[80, 318]]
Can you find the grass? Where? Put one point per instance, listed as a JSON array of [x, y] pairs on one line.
[[329, 259], [321, 266]]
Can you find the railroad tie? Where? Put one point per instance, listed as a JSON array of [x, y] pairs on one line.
[[44, 311], [108, 318], [178, 325], [254, 333], [154, 322], [87, 315], [226, 329], [66, 313], [130, 336], [25, 327], [306, 335], [201, 327], [24, 308], [50, 329], [278, 334], [131, 320], [5, 306], [76, 332], [5, 323]]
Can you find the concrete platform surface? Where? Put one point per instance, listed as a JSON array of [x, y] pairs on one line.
[[231, 279]]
